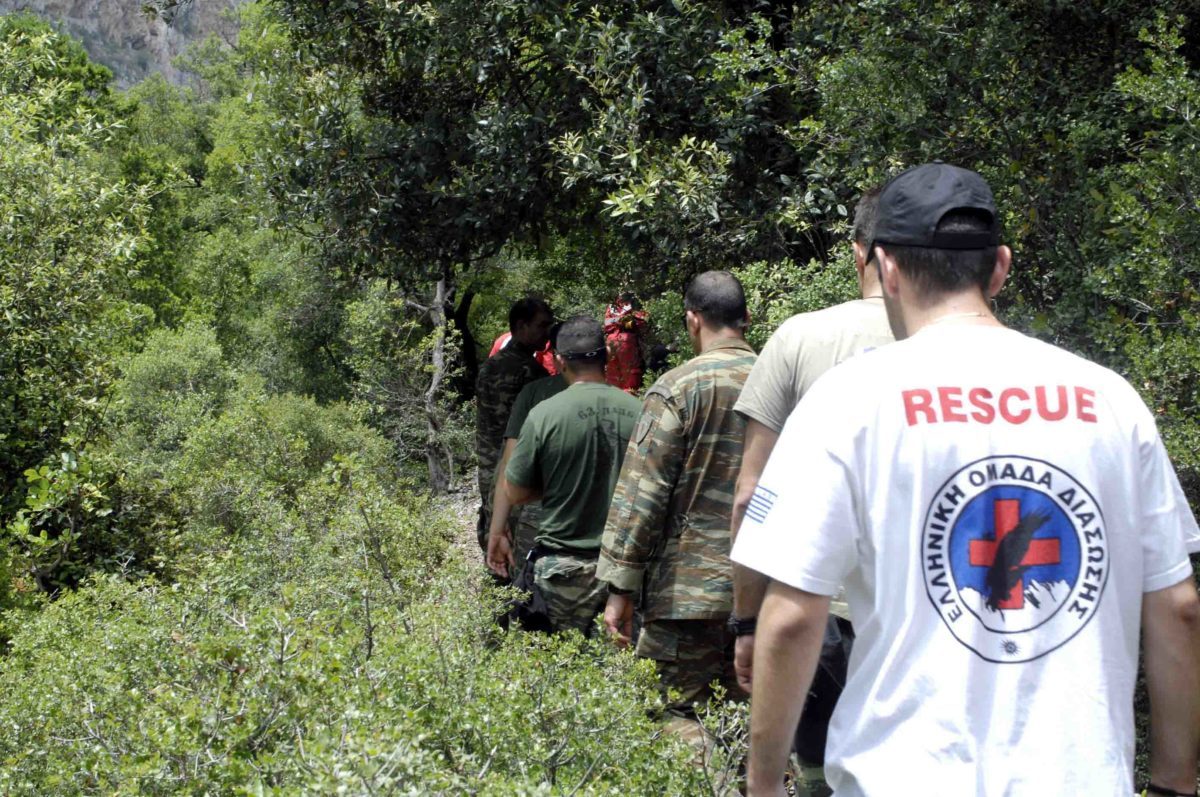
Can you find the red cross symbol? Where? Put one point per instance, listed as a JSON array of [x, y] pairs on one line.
[[1041, 552]]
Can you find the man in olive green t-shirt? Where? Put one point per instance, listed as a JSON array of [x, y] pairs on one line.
[[510, 542], [568, 455]]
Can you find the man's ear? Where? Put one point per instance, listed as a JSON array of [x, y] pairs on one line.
[[860, 254], [889, 272], [1000, 270]]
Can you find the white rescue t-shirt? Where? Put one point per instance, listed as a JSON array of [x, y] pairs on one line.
[[995, 507]]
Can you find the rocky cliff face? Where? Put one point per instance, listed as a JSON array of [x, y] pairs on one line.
[[120, 35]]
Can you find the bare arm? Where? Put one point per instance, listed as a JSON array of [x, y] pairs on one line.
[[519, 495], [499, 549], [749, 586], [791, 627], [1171, 640]]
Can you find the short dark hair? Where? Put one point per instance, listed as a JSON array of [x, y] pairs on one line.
[[718, 297], [865, 214], [525, 310], [580, 341], [940, 271]]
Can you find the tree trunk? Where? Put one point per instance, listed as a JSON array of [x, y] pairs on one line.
[[437, 453], [464, 385]]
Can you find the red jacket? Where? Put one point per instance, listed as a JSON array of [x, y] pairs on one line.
[[623, 327]]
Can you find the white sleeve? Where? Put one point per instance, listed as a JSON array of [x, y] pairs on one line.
[[1168, 527], [801, 527]]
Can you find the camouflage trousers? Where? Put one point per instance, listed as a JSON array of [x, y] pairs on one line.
[[568, 585], [523, 523], [690, 655]]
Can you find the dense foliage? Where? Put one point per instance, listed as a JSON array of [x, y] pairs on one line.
[[240, 323]]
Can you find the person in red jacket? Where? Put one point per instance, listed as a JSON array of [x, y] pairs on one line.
[[624, 323]]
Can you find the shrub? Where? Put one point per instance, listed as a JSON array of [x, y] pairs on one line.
[[138, 688], [177, 383], [263, 450]]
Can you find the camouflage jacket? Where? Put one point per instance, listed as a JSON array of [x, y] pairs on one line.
[[501, 378], [667, 532]]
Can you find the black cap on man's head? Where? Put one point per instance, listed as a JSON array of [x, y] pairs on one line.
[[581, 338], [913, 202]]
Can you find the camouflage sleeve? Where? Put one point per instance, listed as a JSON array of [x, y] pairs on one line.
[[487, 409], [638, 514]]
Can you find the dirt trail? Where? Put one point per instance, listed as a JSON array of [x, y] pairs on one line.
[[462, 504]]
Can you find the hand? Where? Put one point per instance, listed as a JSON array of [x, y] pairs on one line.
[[618, 618], [500, 553], [743, 661], [775, 788]]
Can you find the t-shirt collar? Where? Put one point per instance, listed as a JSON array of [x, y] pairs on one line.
[[728, 343]]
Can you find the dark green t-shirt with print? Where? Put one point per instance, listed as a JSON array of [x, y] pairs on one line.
[[571, 448], [530, 396]]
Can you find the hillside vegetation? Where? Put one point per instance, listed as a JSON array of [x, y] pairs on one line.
[[240, 323]]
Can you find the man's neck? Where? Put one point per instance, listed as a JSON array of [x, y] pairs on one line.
[[519, 345], [869, 283], [584, 376], [708, 337], [966, 309]]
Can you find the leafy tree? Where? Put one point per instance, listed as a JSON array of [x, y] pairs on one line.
[[1090, 167], [67, 250], [38, 58]]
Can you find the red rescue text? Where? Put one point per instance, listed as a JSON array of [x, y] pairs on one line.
[[1009, 405]]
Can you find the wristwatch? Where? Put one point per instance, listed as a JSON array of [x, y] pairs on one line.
[[742, 626]]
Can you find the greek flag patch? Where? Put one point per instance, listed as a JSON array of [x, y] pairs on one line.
[[760, 504]]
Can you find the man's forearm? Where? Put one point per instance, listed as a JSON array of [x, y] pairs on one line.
[[1171, 623], [501, 505], [749, 586], [788, 645]]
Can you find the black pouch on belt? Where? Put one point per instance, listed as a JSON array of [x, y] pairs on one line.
[[531, 612]]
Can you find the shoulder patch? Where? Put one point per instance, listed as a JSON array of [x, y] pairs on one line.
[[643, 427]]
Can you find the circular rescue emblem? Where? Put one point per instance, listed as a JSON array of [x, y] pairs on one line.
[[1015, 557]]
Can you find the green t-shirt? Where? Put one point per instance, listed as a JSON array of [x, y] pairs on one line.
[[530, 396], [571, 447]]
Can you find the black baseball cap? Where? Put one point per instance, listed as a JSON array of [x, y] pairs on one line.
[[913, 202], [580, 338]]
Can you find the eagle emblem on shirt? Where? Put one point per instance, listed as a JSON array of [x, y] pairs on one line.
[[1015, 556]]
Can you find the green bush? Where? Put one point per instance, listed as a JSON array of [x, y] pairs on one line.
[[777, 291], [82, 514], [142, 689], [262, 451], [177, 383]]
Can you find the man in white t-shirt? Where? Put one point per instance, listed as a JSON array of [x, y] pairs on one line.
[[1005, 520]]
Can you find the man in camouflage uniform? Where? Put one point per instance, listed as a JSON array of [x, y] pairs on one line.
[[667, 533], [500, 380], [568, 455]]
